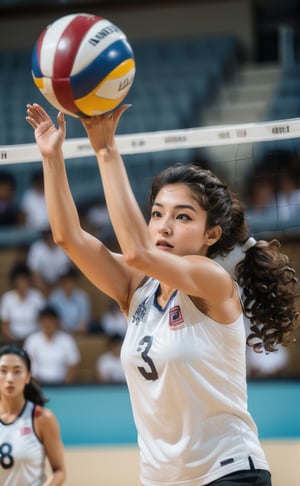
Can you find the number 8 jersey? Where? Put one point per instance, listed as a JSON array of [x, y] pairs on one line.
[[186, 376], [22, 457]]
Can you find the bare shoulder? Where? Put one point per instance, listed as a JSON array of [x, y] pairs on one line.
[[44, 420], [43, 413]]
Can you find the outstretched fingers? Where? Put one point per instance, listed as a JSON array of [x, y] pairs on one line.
[[61, 120], [35, 115]]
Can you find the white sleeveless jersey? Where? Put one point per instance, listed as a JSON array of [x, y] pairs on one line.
[[22, 457], [187, 382]]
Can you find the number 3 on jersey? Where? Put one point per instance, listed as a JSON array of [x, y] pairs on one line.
[[144, 347]]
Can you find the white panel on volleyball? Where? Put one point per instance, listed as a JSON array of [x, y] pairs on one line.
[[110, 89], [103, 39], [51, 38]]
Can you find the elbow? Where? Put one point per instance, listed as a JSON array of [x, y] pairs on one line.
[[59, 240], [64, 243], [131, 258], [135, 258]]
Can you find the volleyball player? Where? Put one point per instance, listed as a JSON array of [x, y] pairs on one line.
[[184, 349], [28, 432]]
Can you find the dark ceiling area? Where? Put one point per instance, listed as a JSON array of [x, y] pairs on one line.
[[34, 7], [60, 6]]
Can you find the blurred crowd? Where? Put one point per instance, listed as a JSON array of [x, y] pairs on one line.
[[48, 310], [273, 192], [45, 307]]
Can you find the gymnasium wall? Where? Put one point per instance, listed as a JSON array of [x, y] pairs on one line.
[[145, 22], [102, 413]]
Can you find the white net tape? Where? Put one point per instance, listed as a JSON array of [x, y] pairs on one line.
[[166, 140]]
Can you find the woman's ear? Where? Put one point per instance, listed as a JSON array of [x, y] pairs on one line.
[[213, 235]]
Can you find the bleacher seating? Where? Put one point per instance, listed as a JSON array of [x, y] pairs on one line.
[[284, 104]]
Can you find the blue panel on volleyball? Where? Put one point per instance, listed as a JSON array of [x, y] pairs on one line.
[[35, 63], [89, 78]]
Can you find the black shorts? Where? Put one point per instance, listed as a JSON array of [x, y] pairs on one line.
[[248, 477], [258, 477]]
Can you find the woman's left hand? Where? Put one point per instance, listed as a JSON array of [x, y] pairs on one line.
[[48, 138]]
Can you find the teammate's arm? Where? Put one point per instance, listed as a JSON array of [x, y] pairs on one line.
[[47, 429]]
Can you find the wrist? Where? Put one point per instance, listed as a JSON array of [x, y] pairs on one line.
[[53, 156], [107, 154]]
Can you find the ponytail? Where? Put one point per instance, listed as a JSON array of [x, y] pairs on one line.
[[269, 294], [33, 393]]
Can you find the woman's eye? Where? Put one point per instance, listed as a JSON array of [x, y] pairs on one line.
[[183, 216], [155, 214]]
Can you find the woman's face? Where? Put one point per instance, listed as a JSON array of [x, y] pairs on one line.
[[21, 283], [178, 223], [14, 375]]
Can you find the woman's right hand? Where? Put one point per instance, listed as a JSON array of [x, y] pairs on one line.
[[101, 129], [48, 138]]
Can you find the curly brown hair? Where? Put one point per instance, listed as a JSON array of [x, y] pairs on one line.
[[270, 292], [268, 281]]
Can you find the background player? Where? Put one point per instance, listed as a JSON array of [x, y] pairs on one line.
[[28, 432]]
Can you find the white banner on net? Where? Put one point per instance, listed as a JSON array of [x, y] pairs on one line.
[[166, 140]]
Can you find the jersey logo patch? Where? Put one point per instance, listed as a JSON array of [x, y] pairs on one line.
[[140, 313], [176, 320], [26, 430]]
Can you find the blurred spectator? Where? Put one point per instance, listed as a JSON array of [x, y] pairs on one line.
[[274, 192], [47, 261], [267, 365], [261, 192], [9, 212], [53, 352], [71, 302], [261, 210], [108, 365], [96, 218], [113, 320], [19, 307], [288, 198], [33, 204]]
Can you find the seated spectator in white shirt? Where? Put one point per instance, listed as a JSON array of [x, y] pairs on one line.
[[108, 366], [33, 203], [47, 261], [72, 302], [113, 321], [9, 211], [54, 353], [20, 306]]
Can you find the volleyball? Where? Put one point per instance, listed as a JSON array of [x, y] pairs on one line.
[[83, 65]]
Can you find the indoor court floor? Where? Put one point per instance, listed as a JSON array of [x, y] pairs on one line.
[[97, 466]]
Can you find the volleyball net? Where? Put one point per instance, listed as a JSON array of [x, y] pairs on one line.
[[200, 137], [259, 160]]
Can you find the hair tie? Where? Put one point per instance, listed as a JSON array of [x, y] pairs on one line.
[[249, 243]]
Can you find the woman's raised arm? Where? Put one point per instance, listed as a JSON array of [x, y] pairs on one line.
[[104, 269]]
